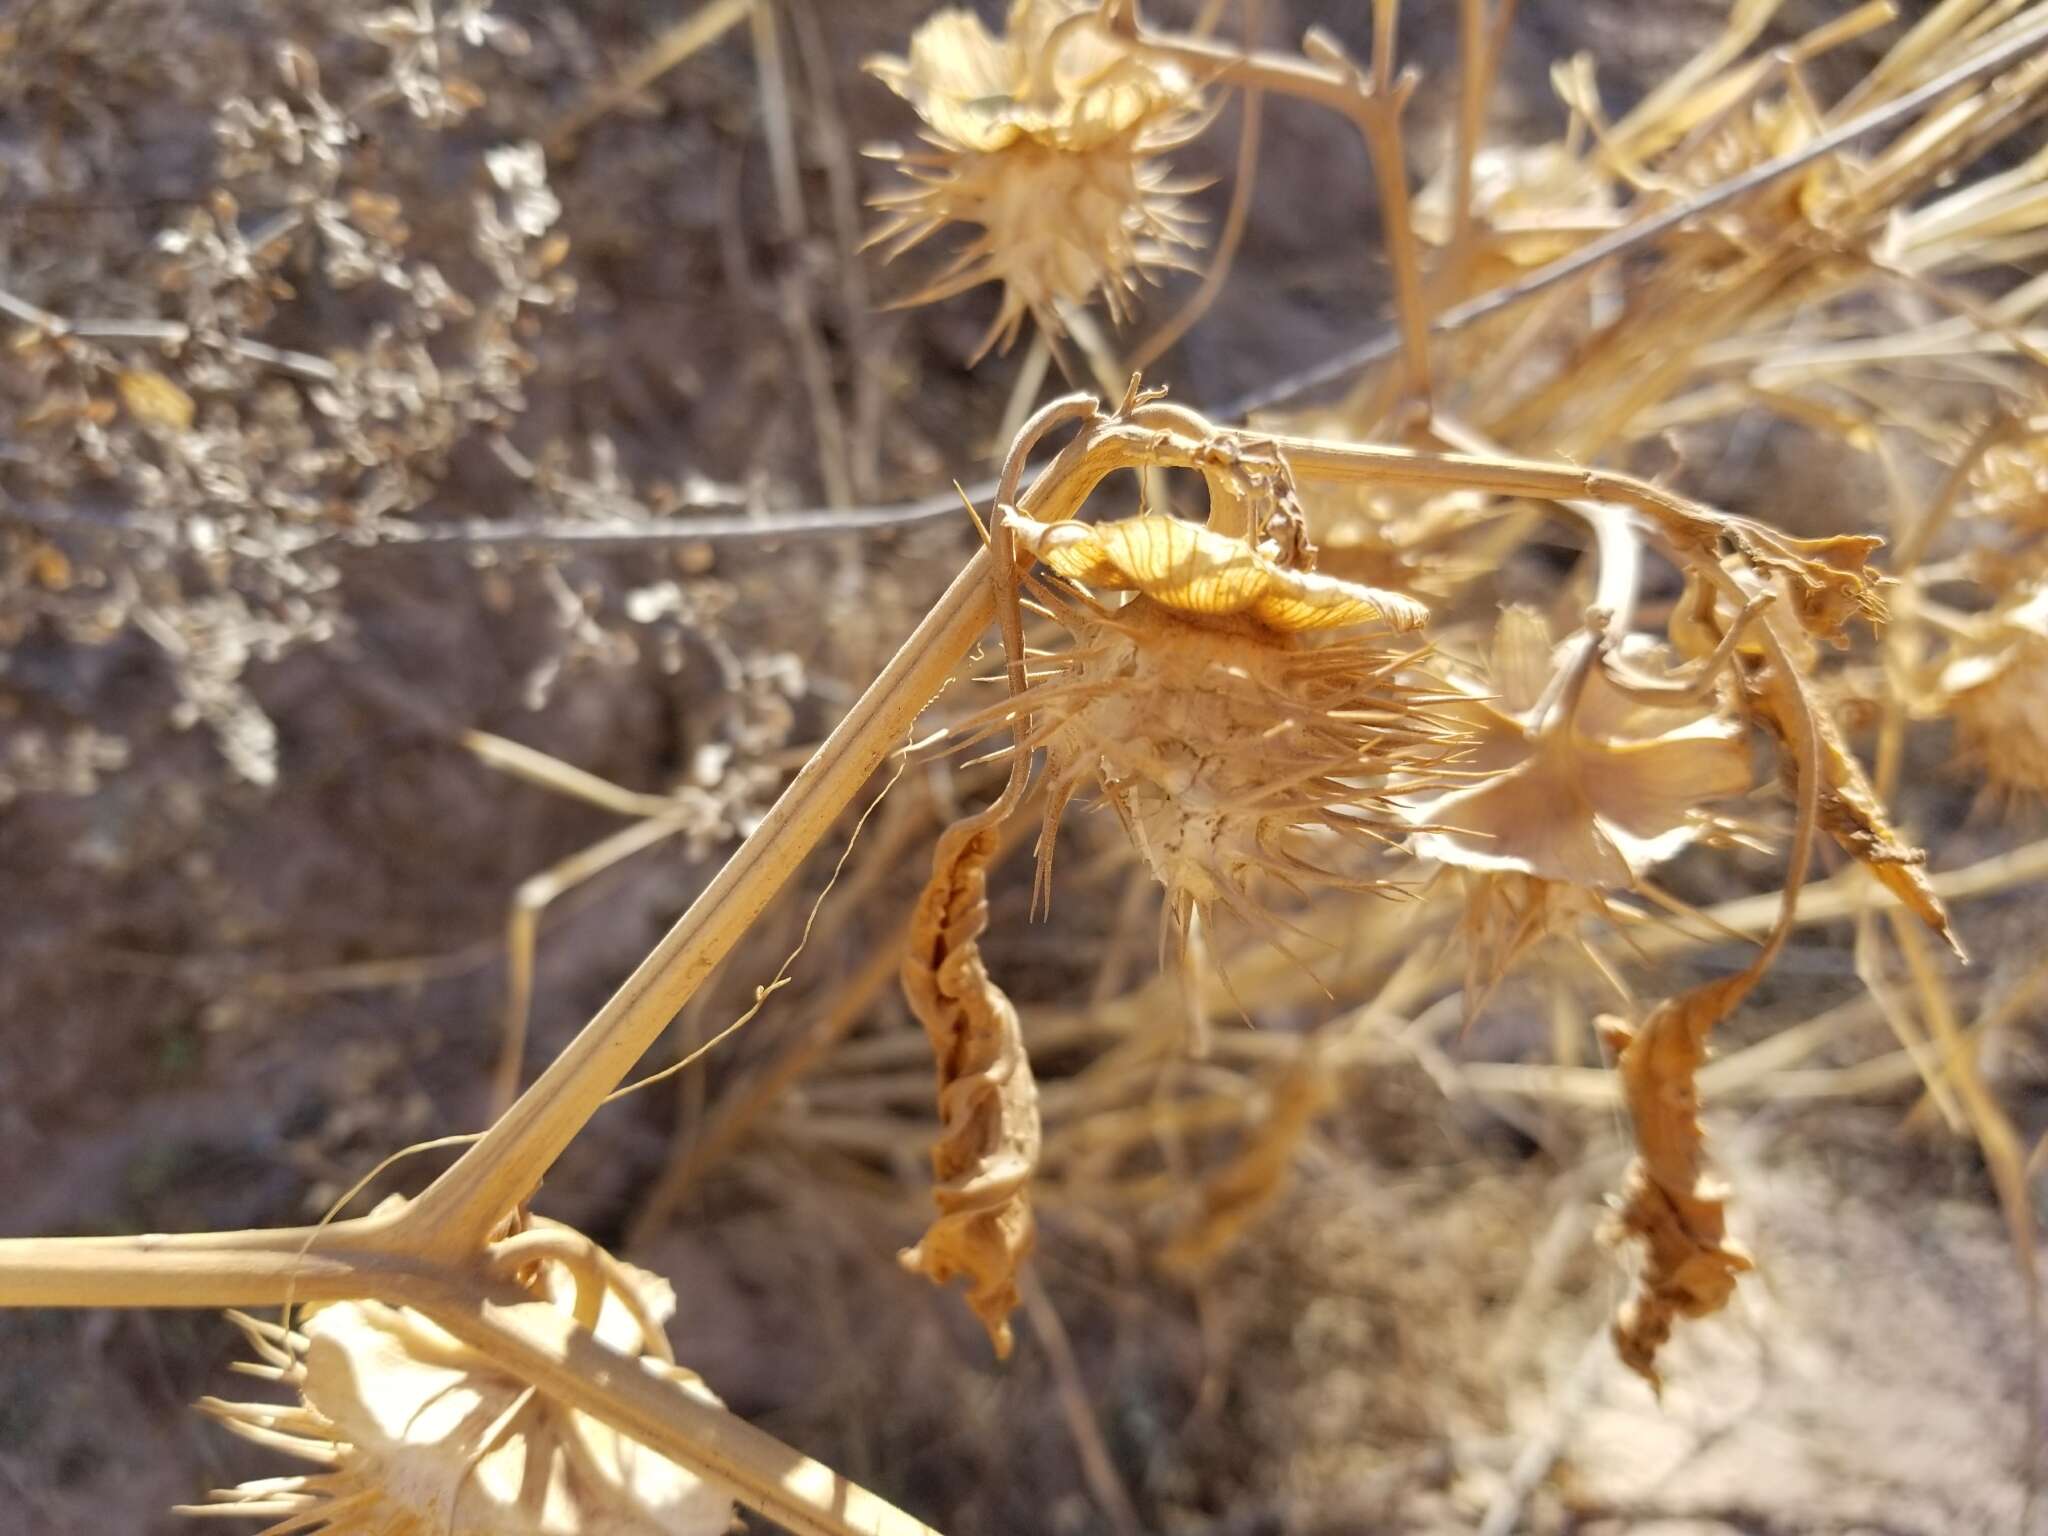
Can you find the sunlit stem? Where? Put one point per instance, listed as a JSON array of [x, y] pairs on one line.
[[1330, 80], [461, 1208]]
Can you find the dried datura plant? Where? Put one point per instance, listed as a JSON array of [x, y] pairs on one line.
[[1320, 693], [1250, 722], [1232, 691]]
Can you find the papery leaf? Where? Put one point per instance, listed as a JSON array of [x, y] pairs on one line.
[[1678, 1214], [989, 1136]]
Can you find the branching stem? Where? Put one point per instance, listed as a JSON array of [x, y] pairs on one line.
[[1373, 104]]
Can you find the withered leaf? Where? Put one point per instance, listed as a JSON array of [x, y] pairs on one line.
[[989, 1136], [1848, 807], [1689, 1265], [1829, 580]]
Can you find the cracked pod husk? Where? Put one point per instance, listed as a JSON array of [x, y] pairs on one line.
[[414, 1433]]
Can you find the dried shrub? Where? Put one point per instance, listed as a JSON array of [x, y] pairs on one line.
[[194, 480]]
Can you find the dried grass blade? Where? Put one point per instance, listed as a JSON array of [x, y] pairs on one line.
[[1238, 1192]]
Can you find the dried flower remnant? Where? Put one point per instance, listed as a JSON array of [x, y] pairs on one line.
[[2011, 484], [1239, 715], [415, 1433], [1586, 788], [1051, 139]]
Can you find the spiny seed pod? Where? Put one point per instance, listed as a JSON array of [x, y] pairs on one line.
[[1998, 692], [1232, 714], [415, 1433], [1049, 139]]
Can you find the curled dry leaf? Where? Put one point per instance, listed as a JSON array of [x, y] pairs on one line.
[[1829, 580], [1194, 570], [988, 1145], [1689, 1266], [1826, 582]]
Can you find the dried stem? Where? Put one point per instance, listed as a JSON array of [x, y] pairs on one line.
[[1372, 104], [522, 931], [1235, 218], [1481, 42], [166, 333]]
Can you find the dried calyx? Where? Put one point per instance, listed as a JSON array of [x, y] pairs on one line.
[[1997, 687], [1583, 784]]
